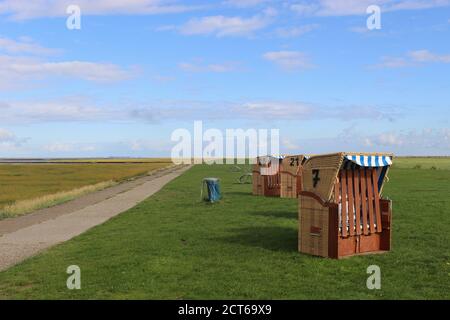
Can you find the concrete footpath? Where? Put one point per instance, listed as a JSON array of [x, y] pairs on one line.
[[23, 237]]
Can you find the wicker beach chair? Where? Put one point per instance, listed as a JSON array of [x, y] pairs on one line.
[[291, 175], [266, 176], [341, 208]]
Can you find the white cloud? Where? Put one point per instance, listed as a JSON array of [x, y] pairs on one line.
[[9, 139], [16, 70], [274, 110], [432, 139], [4, 105], [304, 8], [163, 78], [80, 109], [347, 7], [136, 145], [215, 67], [68, 109], [289, 60], [88, 148], [417, 4], [393, 62], [427, 56], [23, 63], [413, 58], [359, 29], [58, 147], [6, 136], [358, 112], [292, 32], [65, 148], [222, 26], [270, 12], [24, 45], [25, 9], [414, 142], [359, 7], [78, 69], [389, 139], [245, 3], [288, 144], [251, 110]]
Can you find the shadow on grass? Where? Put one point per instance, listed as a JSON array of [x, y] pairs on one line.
[[270, 238], [240, 193], [277, 214]]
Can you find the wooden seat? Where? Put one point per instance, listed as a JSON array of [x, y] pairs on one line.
[[291, 176], [358, 197], [266, 177], [341, 211]]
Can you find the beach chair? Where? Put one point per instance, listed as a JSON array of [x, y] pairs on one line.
[[341, 208], [266, 176], [291, 176]]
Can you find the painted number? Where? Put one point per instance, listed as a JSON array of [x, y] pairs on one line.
[[316, 177]]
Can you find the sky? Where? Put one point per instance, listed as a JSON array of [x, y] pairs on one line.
[[137, 70]]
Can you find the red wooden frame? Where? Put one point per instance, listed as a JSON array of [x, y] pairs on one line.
[[366, 219]]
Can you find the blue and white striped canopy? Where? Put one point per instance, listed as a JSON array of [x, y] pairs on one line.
[[370, 161], [382, 163]]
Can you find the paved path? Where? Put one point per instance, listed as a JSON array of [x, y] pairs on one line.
[[25, 236]]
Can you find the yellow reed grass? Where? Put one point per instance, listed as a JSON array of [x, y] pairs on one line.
[[26, 206]]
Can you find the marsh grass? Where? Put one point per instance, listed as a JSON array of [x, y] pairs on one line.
[[27, 182], [22, 207], [25, 188]]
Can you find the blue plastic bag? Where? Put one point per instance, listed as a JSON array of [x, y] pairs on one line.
[[213, 188]]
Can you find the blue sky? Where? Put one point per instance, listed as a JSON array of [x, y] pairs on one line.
[[139, 69]]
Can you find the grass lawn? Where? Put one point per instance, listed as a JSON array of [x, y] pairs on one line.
[[442, 163], [172, 246], [114, 160], [28, 181]]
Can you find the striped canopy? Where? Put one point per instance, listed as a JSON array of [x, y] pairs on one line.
[[370, 161], [382, 163]]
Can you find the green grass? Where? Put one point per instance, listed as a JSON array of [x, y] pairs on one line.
[[172, 246], [29, 181], [113, 160], [439, 163]]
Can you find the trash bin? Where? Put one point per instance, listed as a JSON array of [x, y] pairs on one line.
[[266, 176], [291, 175], [213, 189], [341, 208]]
